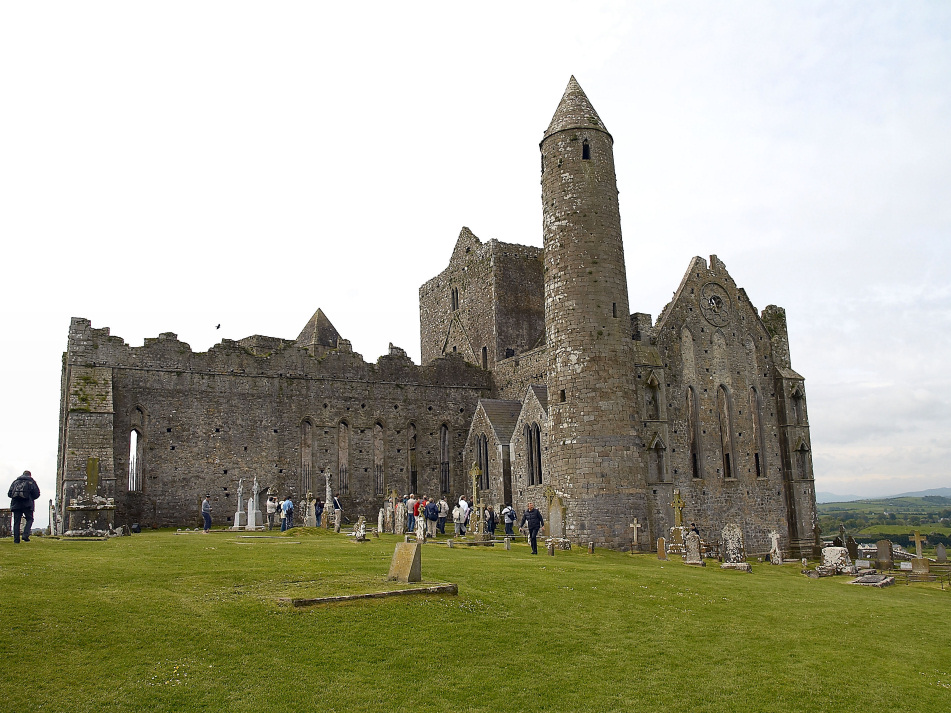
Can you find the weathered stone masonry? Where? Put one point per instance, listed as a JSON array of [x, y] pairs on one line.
[[532, 365]]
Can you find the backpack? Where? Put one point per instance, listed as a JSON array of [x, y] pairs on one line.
[[21, 489]]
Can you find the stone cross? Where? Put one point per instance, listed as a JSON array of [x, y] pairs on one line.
[[240, 492], [635, 526], [678, 504], [476, 523], [919, 541], [255, 490]]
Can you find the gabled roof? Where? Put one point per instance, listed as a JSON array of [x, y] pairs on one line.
[[318, 332], [541, 393], [502, 415], [575, 112]]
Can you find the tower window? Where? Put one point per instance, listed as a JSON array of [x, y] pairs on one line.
[[485, 357], [562, 396], [614, 309], [585, 151]]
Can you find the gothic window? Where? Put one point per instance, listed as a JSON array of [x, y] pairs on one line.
[[485, 357], [411, 461], [802, 461], [533, 451], [444, 458], [482, 459], [343, 458], [693, 433], [378, 450], [724, 417], [759, 442], [306, 456], [656, 461], [454, 298], [652, 398], [799, 407], [585, 151], [136, 443]]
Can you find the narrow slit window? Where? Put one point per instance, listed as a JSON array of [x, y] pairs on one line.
[[585, 151]]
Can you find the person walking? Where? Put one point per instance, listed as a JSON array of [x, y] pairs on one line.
[[411, 513], [464, 512], [271, 511], [22, 493], [508, 517], [457, 521], [490, 521], [443, 514], [319, 511], [206, 514], [432, 516], [532, 518]]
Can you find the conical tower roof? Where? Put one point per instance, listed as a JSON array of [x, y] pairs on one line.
[[575, 112], [318, 332]]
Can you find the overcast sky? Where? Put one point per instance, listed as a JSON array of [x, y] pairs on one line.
[[172, 166]]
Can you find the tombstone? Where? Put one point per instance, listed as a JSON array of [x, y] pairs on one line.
[[551, 547], [733, 549], [863, 564], [360, 530], [421, 528], [310, 512], [883, 556], [692, 553], [853, 547], [941, 553], [661, 548], [590, 548], [874, 580], [255, 519], [556, 518], [775, 553], [399, 522], [837, 558], [406, 565], [838, 541], [240, 516], [381, 520], [919, 564], [904, 566], [636, 540]]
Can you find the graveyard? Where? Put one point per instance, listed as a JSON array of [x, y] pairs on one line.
[[171, 621]]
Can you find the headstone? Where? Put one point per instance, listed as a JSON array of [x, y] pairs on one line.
[[838, 542], [551, 548], [883, 554], [661, 548], [919, 541], [556, 521], [636, 541], [360, 530], [406, 565], [381, 520], [863, 564], [941, 553], [733, 549], [310, 513], [421, 528], [240, 516], [399, 522], [904, 566], [838, 559], [853, 547], [692, 550], [920, 565], [775, 553], [590, 548], [255, 519]]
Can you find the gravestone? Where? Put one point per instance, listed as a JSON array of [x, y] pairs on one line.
[[837, 558], [733, 550], [906, 566], [853, 547], [360, 530], [399, 522], [874, 580], [941, 554], [310, 512], [421, 528], [556, 518], [692, 553], [775, 553], [508, 543], [863, 564], [381, 521], [919, 564], [551, 548], [590, 548], [838, 542], [406, 565], [328, 499], [661, 548], [635, 538], [676, 543], [883, 555], [240, 516]]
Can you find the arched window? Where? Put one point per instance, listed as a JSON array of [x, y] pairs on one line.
[[652, 398], [454, 298], [802, 461], [693, 433], [537, 445], [799, 407], [533, 454], [482, 460], [759, 442], [725, 419], [136, 443], [411, 462], [444, 458], [306, 456], [656, 461], [343, 458], [585, 151], [378, 450]]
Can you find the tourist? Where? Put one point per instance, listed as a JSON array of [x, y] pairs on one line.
[[271, 511], [22, 493], [206, 514], [490, 521], [443, 514], [411, 513], [288, 507], [457, 521], [431, 513], [693, 528], [508, 517], [532, 518], [319, 511], [464, 511]]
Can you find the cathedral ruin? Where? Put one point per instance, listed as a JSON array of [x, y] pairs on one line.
[[533, 366]]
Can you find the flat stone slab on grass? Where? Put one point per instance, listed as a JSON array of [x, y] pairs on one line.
[[435, 589], [874, 580]]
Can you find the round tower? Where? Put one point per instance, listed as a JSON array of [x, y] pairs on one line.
[[594, 456]]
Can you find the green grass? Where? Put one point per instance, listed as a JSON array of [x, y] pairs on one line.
[[166, 622]]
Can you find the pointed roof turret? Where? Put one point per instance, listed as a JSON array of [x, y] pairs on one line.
[[575, 112], [318, 332]]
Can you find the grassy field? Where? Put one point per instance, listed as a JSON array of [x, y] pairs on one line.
[[167, 622]]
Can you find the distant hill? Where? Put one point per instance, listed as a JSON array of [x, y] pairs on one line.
[[836, 498], [943, 492]]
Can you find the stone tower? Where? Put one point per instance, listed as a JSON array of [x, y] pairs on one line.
[[594, 456]]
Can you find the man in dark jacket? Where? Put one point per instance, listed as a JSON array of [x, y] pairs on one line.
[[535, 522], [23, 491]]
